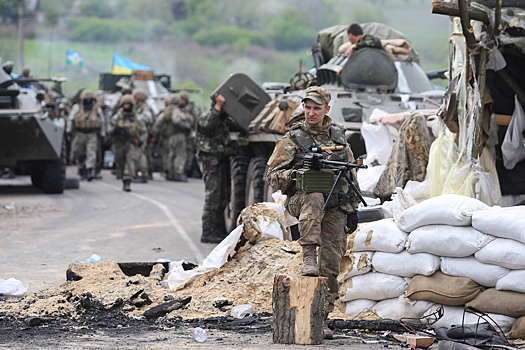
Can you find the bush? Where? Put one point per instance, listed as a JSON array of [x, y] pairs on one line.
[[229, 35], [93, 29], [291, 30]]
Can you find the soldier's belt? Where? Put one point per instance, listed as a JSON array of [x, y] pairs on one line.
[[309, 180]]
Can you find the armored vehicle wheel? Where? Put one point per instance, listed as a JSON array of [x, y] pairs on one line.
[[255, 181], [238, 169], [36, 175], [54, 173]]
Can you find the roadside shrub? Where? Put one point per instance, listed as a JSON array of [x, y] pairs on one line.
[[228, 35]]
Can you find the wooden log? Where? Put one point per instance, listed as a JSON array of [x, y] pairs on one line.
[[298, 309], [446, 8]]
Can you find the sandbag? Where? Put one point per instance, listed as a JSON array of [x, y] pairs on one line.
[[518, 329], [485, 274], [503, 252], [499, 302], [401, 308], [513, 281], [355, 264], [445, 240], [382, 235], [442, 289], [507, 222], [355, 307], [405, 264], [453, 316], [373, 286], [447, 209]]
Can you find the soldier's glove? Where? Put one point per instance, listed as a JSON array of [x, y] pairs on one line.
[[351, 222], [293, 174]]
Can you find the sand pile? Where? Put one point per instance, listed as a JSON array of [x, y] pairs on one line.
[[246, 279]]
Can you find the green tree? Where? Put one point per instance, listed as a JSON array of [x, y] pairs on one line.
[[291, 30]]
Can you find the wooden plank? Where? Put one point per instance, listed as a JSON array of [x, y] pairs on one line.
[[418, 341]]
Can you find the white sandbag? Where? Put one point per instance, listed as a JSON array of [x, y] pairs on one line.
[[503, 252], [501, 222], [405, 264], [368, 178], [485, 274], [402, 308], [447, 209], [378, 143], [513, 281], [355, 264], [453, 316], [355, 307], [445, 240], [374, 286], [382, 235]]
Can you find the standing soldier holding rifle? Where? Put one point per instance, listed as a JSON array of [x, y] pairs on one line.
[[128, 131], [319, 199]]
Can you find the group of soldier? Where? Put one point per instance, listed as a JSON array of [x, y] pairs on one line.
[[132, 130]]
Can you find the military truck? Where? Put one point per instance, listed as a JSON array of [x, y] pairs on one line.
[[369, 79], [32, 136]]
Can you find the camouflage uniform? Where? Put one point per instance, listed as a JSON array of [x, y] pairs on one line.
[[192, 112], [214, 149], [128, 131], [173, 128], [323, 229], [146, 114], [88, 122]]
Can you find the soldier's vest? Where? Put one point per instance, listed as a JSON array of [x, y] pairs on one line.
[[129, 122], [84, 122], [168, 128], [343, 192]]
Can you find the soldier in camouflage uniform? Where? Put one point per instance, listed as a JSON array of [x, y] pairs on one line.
[[357, 40], [128, 131], [214, 149], [192, 112], [147, 115], [173, 127], [318, 229], [86, 119]]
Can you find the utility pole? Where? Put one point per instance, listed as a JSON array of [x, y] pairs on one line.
[[20, 35]]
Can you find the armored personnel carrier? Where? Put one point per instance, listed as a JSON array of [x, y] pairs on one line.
[[32, 138], [390, 80]]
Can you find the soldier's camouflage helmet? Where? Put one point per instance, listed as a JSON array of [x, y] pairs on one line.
[[317, 94], [126, 99], [140, 94], [173, 99], [86, 93], [184, 95]]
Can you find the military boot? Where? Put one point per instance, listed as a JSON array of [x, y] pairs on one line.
[[127, 185], [310, 265], [90, 175]]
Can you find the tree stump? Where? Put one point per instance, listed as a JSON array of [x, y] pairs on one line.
[[298, 309]]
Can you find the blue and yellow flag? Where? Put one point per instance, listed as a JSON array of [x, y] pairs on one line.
[[121, 65], [73, 58]]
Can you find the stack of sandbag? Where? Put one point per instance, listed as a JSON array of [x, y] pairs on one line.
[[457, 252]]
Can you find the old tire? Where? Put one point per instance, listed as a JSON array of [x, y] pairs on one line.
[[238, 170], [256, 188], [54, 173]]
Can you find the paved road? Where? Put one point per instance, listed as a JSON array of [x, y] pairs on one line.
[[44, 233]]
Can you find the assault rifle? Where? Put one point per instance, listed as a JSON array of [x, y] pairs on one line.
[[120, 131], [315, 160]]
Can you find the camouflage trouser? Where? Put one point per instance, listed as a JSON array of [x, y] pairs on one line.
[[84, 150], [323, 229], [216, 197], [142, 163], [127, 156], [177, 153]]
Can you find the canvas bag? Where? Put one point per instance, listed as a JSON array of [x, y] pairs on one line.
[[512, 147]]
